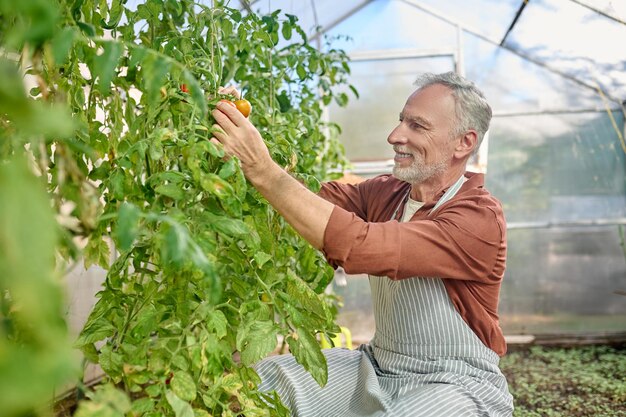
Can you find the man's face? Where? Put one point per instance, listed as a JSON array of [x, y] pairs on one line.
[[422, 140]]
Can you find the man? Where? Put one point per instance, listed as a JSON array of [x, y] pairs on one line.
[[433, 241]]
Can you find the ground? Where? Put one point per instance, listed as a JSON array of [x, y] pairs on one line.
[[568, 382]]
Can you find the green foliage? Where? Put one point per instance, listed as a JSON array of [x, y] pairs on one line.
[[34, 350], [567, 382], [207, 277]]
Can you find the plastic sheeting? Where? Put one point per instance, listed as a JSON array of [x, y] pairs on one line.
[[554, 72]]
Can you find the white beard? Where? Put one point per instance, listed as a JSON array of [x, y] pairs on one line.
[[418, 171]]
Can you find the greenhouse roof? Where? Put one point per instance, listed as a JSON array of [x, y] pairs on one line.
[[583, 41]]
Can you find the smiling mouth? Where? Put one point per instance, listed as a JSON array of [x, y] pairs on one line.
[[400, 155]]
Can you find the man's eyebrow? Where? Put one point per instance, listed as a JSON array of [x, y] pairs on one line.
[[417, 119]]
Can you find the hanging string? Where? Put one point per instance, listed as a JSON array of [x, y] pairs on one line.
[[610, 113]]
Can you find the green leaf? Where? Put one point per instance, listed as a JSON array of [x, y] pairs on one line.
[[226, 225], [196, 91], [137, 55], [87, 29], [354, 91], [287, 30], [307, 352], [216, 185], [303, 295], [342, 99], [142, 405], [284, 102], [201, 413], [173, 191], [31, 117], [217, 322], [62, 44], [231, 384], [105, 64], [261, 258], [301, 71], [154, 72], [90, 352], [176, 244], [228, 169], [111, 361], [180, 362], [180, 407], [115, 15], [105, 401], [94, 331], [97, 252], [183, 386], [255, 340], [128, 217]]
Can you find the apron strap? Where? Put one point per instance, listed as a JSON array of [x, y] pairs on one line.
[[448, 194]]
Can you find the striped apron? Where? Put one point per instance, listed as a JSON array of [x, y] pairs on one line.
[[423, 361]]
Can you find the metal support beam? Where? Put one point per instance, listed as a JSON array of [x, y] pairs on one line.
[[496, 42], [600, 12], [382, 54], [245, 4], [339, 20], [460, 60], [517, 15]]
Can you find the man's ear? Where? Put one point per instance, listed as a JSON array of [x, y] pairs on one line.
[[466, 145]]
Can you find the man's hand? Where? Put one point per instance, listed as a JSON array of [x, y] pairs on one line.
[[240, 138], [305, 211]]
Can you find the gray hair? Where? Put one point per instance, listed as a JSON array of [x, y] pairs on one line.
[[472, 109]]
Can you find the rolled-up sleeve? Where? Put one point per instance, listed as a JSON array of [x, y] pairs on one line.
[[462, 242]]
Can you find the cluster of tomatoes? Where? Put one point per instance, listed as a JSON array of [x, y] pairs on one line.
[[241, 104]]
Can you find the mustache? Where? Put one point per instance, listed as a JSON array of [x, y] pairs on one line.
[[400, 149]]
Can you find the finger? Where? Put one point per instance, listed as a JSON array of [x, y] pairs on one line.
[[219, 144], [233, 114], [219, 133], [215, 141], [232, 90], [223, 120]]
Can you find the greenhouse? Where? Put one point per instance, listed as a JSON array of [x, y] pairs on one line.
[[147, 270]]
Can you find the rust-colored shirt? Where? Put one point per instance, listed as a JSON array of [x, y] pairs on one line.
[[463, 242]]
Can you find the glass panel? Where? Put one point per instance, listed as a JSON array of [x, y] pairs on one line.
[[564, 280], [383, 87], [583, 43], [557, 281], [491, 18], [512, 83], [558, 168], [356, 313], [392, 25]]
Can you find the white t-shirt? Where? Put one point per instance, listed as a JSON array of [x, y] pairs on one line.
[[410, 208]]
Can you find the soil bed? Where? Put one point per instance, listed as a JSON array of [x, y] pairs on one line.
[[572, 382]]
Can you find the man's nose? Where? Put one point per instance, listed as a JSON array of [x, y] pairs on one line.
[[396, 136]]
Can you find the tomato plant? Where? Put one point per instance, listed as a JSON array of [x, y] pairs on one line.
[[206, 277]]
